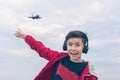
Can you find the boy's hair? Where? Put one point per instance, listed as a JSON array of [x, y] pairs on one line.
[[77, 34]]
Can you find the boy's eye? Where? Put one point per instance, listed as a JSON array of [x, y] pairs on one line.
[[77, 44], [70, 44]]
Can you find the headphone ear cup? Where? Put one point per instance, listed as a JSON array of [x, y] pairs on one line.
[[85, 49], [65, 46]]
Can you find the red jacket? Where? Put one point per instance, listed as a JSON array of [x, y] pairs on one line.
[[54, 56]]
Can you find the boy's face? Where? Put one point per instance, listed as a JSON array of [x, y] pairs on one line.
[[74, 48]]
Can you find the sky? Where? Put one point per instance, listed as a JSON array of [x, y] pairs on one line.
[[99, 19]]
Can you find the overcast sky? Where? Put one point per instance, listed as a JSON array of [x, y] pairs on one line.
[[99, 19]]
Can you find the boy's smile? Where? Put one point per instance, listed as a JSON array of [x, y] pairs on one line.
[[74, 48]]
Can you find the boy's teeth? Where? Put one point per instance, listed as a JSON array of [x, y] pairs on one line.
[[73, 53]]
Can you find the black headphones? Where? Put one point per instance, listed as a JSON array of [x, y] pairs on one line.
[[83, 36]]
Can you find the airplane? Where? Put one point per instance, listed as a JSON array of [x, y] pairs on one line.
[[34, 17]]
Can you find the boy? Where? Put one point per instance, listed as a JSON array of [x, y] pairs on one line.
[[66, 65]]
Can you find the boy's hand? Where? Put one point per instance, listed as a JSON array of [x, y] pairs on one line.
[[20, 34]]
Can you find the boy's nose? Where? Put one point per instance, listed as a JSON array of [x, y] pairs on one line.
[[73, 47]]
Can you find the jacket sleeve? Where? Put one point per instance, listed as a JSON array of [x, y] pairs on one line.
[[91, 77], [89, 73], [39, 47], [92, 73]]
